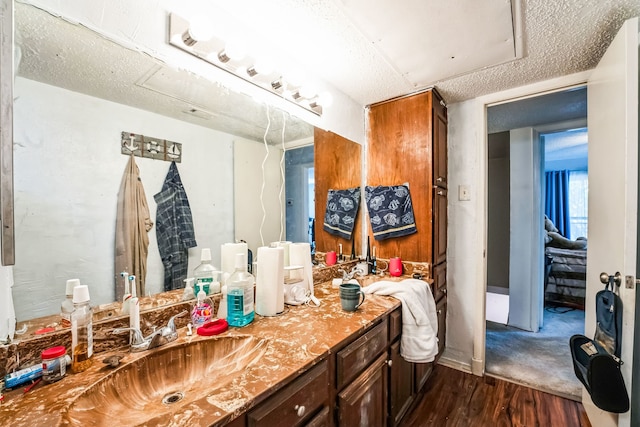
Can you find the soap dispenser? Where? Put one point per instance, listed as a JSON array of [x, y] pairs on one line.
[[205, 274], [202, 310], [188, 289]]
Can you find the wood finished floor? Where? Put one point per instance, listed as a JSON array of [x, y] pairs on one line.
[[453, 398]]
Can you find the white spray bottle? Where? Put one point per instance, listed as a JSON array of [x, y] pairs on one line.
[[134, 305], [126, 298]]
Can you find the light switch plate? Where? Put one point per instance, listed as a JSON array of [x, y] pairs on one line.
[[464, 194]]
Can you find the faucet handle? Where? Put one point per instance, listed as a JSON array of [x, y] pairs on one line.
[[138, 340], [171, 324]]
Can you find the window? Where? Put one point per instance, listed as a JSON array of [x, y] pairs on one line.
[[578, 198]]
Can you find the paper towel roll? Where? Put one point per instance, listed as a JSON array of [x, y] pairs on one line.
[[270, 281], [7, 312], [300, 254], [228, 252], [286, 246]]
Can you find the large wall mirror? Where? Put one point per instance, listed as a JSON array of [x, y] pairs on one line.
[[75, 92]]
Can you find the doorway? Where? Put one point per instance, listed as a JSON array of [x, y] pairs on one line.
[[300, 194], [526, 335]]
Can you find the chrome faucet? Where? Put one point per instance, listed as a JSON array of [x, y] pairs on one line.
[[157, 338], [350, 275]]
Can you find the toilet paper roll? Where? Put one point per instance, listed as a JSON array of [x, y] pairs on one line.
[[228, 252], [300, 254], [270, 281]]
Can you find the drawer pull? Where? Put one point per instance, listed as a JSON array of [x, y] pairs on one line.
[[444, 291], [440, 193], [389, 362], [439, 311], [439, 179], [300, 410]]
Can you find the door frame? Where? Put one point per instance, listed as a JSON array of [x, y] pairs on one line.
[[480, 113]]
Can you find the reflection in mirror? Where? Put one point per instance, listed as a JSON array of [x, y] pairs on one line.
[[75, 92]]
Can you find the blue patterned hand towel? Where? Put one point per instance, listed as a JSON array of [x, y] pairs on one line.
[[390, 211], [342, 208]]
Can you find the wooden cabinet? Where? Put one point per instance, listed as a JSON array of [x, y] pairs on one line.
[[407, 140], [364, 401], [401, 388], [439, 225], [441, 309], [351, 360], [439, 285], [296, 404]]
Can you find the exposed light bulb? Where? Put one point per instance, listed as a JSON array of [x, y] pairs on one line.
[[263, 66], [325, 99], [200, 30], [307, 92]]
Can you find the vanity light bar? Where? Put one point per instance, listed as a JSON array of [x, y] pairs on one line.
[[214, 51]]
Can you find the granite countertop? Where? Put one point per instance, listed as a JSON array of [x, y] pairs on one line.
[[280, 348]]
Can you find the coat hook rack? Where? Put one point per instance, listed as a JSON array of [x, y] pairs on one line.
[[150, 148]]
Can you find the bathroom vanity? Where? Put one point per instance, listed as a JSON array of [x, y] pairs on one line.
[[309, 366]]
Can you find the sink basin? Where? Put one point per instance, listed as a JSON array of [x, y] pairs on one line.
[[163, 381]]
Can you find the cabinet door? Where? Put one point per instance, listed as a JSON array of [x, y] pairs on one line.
[[422, 373], [439, 281], [439, 225], [364, 401], [400, 384], [441, 309], [439, 143]]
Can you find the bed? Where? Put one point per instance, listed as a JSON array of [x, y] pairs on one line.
[[565, 276]]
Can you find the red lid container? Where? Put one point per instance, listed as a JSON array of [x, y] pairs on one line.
[[53, 352]]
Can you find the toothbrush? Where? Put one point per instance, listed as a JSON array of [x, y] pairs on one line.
[[126, 298], [134, 305]]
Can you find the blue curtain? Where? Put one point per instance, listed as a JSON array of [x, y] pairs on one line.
[[556, 200]]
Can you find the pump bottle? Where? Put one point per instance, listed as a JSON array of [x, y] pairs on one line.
[[66, 308], [81, 330], [205, 274]]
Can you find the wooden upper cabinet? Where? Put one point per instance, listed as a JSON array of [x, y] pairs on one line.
[[402, 149]]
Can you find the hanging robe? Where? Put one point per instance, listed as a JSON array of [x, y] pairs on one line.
[[174, 229], [133, 222]]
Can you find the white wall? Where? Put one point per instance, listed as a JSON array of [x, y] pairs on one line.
[[464, 233], [68, 169], [142, 25], [256, 226]]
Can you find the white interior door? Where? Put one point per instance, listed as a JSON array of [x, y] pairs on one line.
[[613, 190]]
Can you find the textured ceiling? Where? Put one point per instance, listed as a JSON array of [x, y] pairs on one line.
[[363, 48]]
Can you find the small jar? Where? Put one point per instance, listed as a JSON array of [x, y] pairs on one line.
[[54, 363]]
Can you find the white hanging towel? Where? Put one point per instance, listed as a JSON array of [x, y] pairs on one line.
[[7, 312], [419, 342]]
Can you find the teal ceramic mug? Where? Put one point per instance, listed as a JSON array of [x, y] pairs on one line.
[[351, 296]]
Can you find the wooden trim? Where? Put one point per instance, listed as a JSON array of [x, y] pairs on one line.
[[7, 236]]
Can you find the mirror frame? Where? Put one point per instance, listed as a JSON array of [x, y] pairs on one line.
[[7, 236]]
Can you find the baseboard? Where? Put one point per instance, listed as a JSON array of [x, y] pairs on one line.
[[454, 364]]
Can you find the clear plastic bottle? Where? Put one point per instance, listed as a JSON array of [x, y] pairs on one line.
[[81, 330], [66, 308], [205, 274], [240, 308], [202, 310]]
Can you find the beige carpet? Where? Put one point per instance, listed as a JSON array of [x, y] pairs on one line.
[[539, 360]]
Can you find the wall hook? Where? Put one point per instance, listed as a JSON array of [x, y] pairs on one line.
[[132, 146]]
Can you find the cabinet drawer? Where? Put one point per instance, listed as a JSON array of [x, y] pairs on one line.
[[323, 419], [296, 403], [351, 360], [395, 324]]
